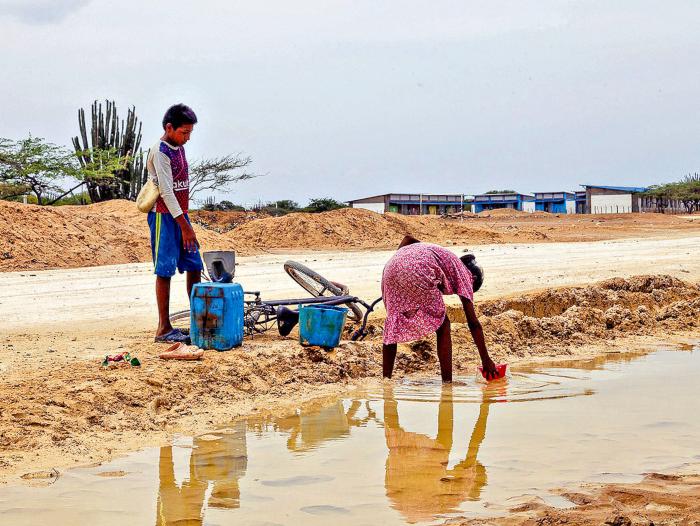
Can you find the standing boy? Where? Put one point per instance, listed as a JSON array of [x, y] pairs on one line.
[[173, 241]]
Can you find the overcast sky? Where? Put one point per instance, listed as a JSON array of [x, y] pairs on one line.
[[349, 99]]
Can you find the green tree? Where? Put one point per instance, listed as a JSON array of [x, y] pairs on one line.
[[36, 164], [323, 204], [501, 192], [286, 204], [12, 192], [101, 171], [686, 191], [211, 205]]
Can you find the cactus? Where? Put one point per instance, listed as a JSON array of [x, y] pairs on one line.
[[107, 132]]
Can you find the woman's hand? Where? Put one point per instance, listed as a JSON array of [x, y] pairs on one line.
[[489, 368]]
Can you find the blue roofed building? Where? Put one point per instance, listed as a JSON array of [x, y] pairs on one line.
[[512, 200], [555, 202]]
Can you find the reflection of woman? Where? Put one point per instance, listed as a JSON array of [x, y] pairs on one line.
[[418, 482], [220, 459]]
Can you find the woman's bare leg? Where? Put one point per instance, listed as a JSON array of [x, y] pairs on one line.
[[444, 350], [388, 358]]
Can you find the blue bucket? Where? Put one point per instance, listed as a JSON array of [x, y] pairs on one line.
[[321, 325]]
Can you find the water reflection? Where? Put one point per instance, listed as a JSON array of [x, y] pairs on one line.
[[374, 458], [310, 428], [216, 463], [418, 482]]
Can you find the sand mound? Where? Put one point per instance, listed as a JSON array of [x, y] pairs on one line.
[[460, 215], [222, 222], [648, 291], [37, 238], [573, 316], [541, 214], [502, 212], [43, 237], [351, 228]]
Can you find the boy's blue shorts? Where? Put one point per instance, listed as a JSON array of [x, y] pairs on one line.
[[166, 247]]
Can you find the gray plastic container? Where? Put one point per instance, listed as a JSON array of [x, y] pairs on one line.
[[220, 261]]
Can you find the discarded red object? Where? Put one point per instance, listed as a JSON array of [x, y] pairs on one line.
[[500, 369]]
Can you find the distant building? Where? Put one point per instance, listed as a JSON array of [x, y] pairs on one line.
[[595, 199], [515, 201], [411, 204], [613, 199], [555, 202], [580, 201]]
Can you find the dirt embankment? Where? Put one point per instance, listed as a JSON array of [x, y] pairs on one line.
[[36, 238], [42, 237], [560, 319], [58, 411], [658, 499]]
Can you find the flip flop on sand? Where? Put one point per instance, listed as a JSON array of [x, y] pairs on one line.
[[174, 336], [180, 351]]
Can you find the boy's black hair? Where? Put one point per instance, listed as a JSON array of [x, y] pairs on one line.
[[178, 115], [469, 261]]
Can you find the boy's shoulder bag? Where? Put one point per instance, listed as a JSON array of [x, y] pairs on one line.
[[148, 196]]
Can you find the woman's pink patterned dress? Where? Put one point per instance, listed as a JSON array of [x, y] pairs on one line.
[[413, 283]]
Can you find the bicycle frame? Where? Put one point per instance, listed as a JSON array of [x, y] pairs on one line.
[[260, 313], [358, 335]]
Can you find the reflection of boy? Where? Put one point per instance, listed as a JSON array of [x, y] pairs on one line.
[[173, 242], [216, 463]]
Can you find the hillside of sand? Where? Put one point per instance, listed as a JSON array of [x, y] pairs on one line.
[[38, 238]]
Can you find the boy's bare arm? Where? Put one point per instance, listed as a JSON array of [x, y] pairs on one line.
[[189, 238]]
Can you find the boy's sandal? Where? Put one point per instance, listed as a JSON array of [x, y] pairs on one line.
[[174, 336]]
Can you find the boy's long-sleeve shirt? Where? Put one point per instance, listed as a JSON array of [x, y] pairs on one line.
[[167, 167]]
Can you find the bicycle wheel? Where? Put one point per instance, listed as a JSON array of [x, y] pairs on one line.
[[318, 286], [180, 319]]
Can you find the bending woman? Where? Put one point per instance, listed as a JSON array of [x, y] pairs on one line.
[[413, 283]]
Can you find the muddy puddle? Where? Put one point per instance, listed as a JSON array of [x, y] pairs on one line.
[[414, 452]]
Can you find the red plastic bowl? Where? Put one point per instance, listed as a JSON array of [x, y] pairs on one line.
[[500, 369]]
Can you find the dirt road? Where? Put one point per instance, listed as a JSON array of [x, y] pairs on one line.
[[107, 299]]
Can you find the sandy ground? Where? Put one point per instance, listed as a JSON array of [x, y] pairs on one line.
[[540, 302]]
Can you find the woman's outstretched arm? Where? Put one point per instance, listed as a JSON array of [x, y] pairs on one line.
[[478, 336]]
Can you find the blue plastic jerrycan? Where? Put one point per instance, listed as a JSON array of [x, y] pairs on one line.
[[321, 325], [216, 319]]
